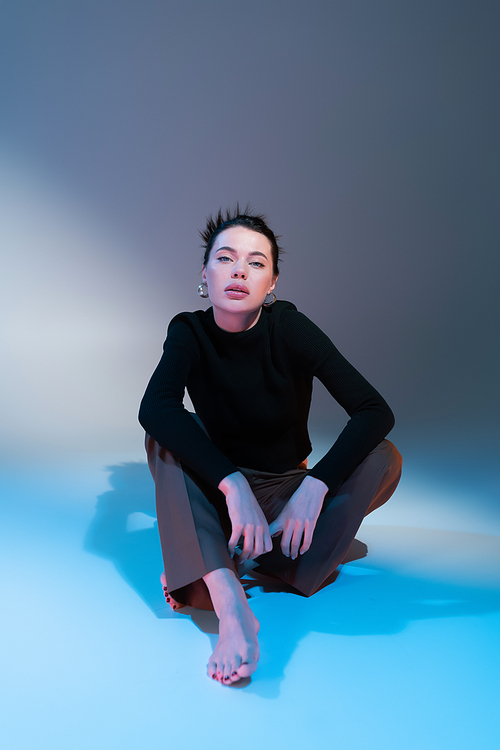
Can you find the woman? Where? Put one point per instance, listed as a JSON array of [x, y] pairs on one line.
[[239, 476]]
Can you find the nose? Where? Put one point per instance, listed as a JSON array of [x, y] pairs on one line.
[[239, 271]]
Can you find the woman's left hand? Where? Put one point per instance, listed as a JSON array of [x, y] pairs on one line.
[[298, 517]]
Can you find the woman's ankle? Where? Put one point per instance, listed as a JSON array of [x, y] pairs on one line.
[[225, 590]]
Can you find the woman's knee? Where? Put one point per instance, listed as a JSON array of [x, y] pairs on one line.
[[394, 464], [389, 456], [155, 450]]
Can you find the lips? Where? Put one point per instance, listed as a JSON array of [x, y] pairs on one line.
[[237, 288]]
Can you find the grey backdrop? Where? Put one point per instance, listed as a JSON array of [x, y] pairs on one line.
[[366, 130]]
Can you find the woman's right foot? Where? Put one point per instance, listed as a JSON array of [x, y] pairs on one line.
[[168, 598]]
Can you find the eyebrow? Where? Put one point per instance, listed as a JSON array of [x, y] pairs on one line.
[[231, 250]]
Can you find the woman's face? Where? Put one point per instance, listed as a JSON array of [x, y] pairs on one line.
[[239, 273]]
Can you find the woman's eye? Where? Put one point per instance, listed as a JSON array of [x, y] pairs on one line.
[[225, 258]]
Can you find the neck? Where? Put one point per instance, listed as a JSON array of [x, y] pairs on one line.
[[236, 322]]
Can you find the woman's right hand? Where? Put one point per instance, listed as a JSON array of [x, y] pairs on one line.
[[247, 517]]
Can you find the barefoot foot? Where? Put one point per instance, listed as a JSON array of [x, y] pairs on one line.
[[237, 651], [168, 598]]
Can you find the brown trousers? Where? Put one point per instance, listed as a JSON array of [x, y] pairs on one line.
[[195, 528]]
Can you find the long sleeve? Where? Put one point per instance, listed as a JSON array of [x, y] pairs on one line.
[[371, 418], [163, 416]]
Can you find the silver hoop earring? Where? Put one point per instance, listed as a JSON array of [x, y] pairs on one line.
[[271, 301], [203, 290]]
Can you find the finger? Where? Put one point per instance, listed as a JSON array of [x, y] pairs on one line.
[[249, 536], [296, 539], [235, 537], [268, 542], [308, 535], [285, 539], [259, 542]]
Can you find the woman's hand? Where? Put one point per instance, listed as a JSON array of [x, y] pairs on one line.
[[298, 517], [247, 517]]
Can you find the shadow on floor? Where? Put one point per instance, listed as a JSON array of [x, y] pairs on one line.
[[124, 531]]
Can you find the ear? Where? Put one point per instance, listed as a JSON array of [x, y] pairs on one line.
[[203, 273], [274, 282]]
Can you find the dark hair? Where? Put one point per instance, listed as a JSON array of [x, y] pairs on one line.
[[256, 222]]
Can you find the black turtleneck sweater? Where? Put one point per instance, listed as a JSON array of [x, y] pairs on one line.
[[252, 391]]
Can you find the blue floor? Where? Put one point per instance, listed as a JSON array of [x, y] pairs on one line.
[[401, 651]]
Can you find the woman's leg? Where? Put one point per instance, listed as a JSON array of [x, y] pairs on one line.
[[193, 525], [194, 533], [370, 485]]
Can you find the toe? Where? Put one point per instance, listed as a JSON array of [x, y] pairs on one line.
[[225, 674], [246, 669], [233, 674], [222, 673]]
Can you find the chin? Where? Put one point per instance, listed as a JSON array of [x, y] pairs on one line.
[[237, 306]]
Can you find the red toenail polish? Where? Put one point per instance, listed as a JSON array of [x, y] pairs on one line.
[[232, 674]]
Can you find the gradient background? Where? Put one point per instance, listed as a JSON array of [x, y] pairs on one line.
[[366, 131]]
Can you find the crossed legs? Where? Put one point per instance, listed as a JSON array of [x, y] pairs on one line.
[[194, 530]]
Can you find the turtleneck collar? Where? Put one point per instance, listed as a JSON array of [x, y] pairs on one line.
[[237, 335]]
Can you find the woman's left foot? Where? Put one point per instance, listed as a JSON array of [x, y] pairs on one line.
[[237, 651]]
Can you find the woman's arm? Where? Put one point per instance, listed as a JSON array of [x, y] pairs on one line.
[[371, 418], [163, 416], [370, 421]]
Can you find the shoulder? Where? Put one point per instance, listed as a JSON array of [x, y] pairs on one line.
[[186, 329], [292, 320], [278, 312], [302, 336], [188, 320]]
